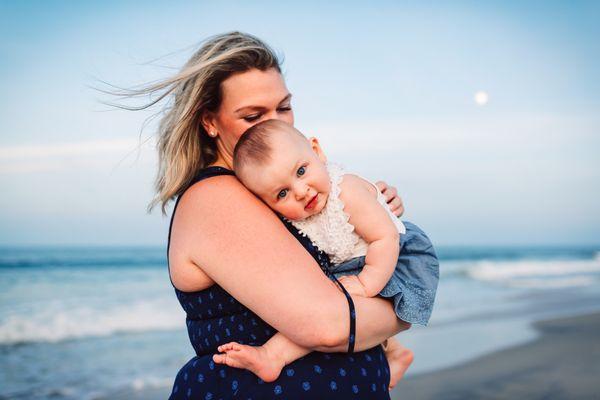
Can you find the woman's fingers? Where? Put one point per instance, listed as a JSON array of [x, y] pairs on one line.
[[397, 206], [391, 197]]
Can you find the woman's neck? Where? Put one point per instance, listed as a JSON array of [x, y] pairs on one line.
[[223, 160]]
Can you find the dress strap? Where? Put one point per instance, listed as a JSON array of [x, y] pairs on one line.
[[352, 335], [323, 262]]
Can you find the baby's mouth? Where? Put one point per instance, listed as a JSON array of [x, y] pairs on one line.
[[311, 204]]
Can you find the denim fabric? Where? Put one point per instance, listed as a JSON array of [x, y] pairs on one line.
[[413, 284]]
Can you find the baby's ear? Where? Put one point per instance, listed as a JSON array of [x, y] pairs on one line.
[[314, 144]]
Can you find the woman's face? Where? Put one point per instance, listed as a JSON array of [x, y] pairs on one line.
[[248, 98]]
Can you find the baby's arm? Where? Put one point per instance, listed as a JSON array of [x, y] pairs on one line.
[[371, 222]]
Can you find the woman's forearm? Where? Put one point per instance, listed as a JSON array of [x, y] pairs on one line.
[[375, 322]]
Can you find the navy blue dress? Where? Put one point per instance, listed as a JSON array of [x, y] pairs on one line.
[[214, 317]]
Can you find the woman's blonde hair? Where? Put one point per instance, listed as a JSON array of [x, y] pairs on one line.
[[184, 147]]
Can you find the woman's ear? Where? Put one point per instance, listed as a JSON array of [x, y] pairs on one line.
[[208, 123], [314, 144]]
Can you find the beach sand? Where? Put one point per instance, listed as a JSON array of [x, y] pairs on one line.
[[563, 363]]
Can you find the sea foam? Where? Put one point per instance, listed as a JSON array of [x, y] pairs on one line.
[[554, 273], [82, 321]]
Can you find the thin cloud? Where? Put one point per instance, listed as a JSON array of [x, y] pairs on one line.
[[80, 155], [74, 149]]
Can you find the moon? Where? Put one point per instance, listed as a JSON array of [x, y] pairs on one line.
[[481, 98]]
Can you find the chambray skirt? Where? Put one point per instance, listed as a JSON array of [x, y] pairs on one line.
[[414, 282]]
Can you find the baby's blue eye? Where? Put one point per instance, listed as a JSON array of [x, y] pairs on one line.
[[282, 193], [301, 171]]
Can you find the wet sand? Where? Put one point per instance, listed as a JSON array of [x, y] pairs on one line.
[[563, 363]]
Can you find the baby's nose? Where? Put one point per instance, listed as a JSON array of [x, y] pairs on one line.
[[301, 191]]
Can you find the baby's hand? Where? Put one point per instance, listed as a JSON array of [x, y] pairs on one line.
[[353, 285]]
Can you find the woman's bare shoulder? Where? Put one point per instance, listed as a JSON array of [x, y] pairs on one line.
[[216, 197], [203, 211], [212, 186]]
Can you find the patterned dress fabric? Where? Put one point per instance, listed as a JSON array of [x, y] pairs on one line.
[[214, 317]]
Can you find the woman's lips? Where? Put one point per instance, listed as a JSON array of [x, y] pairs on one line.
[[311, 204]]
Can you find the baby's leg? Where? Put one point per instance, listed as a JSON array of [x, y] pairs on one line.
[[264, 361], [399, 358]]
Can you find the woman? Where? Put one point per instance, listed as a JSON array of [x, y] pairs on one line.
[[239, 273]]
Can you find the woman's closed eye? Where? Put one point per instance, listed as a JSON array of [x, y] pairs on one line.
[[252, 118], [257, 116]]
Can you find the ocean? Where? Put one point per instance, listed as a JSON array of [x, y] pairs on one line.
[[94, 323]]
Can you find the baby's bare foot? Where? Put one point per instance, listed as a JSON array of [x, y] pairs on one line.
[[399, 358], [256, 359]]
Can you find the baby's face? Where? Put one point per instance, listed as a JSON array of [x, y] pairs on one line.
[[294, 182]]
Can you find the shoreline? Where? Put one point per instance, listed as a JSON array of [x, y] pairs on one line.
[[562, 363]]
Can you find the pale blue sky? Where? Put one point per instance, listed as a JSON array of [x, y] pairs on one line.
[[388, 88]]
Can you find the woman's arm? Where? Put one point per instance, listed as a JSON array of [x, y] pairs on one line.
[[222, 229], [376, 321]]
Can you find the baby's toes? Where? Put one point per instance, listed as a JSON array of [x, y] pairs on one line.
[[226, 347], [236, 346], [219, 358]]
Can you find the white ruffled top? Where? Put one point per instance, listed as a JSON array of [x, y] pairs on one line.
[[330, 230]]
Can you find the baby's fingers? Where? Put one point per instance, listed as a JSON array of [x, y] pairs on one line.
[[345, 280]]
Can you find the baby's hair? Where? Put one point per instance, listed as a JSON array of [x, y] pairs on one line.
[[254, 146]]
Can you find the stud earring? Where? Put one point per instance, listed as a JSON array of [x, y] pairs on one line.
[[212, 134]]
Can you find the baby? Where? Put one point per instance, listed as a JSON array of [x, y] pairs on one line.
[[345, 216]]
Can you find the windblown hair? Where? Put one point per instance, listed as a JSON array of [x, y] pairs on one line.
[[184, 146]]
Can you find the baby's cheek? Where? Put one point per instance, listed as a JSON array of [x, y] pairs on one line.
[[291, 213], [283, 211]]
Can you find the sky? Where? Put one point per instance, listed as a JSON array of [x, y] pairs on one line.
[[389, 88]]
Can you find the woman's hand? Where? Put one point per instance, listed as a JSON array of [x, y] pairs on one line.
[[391, 197]]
